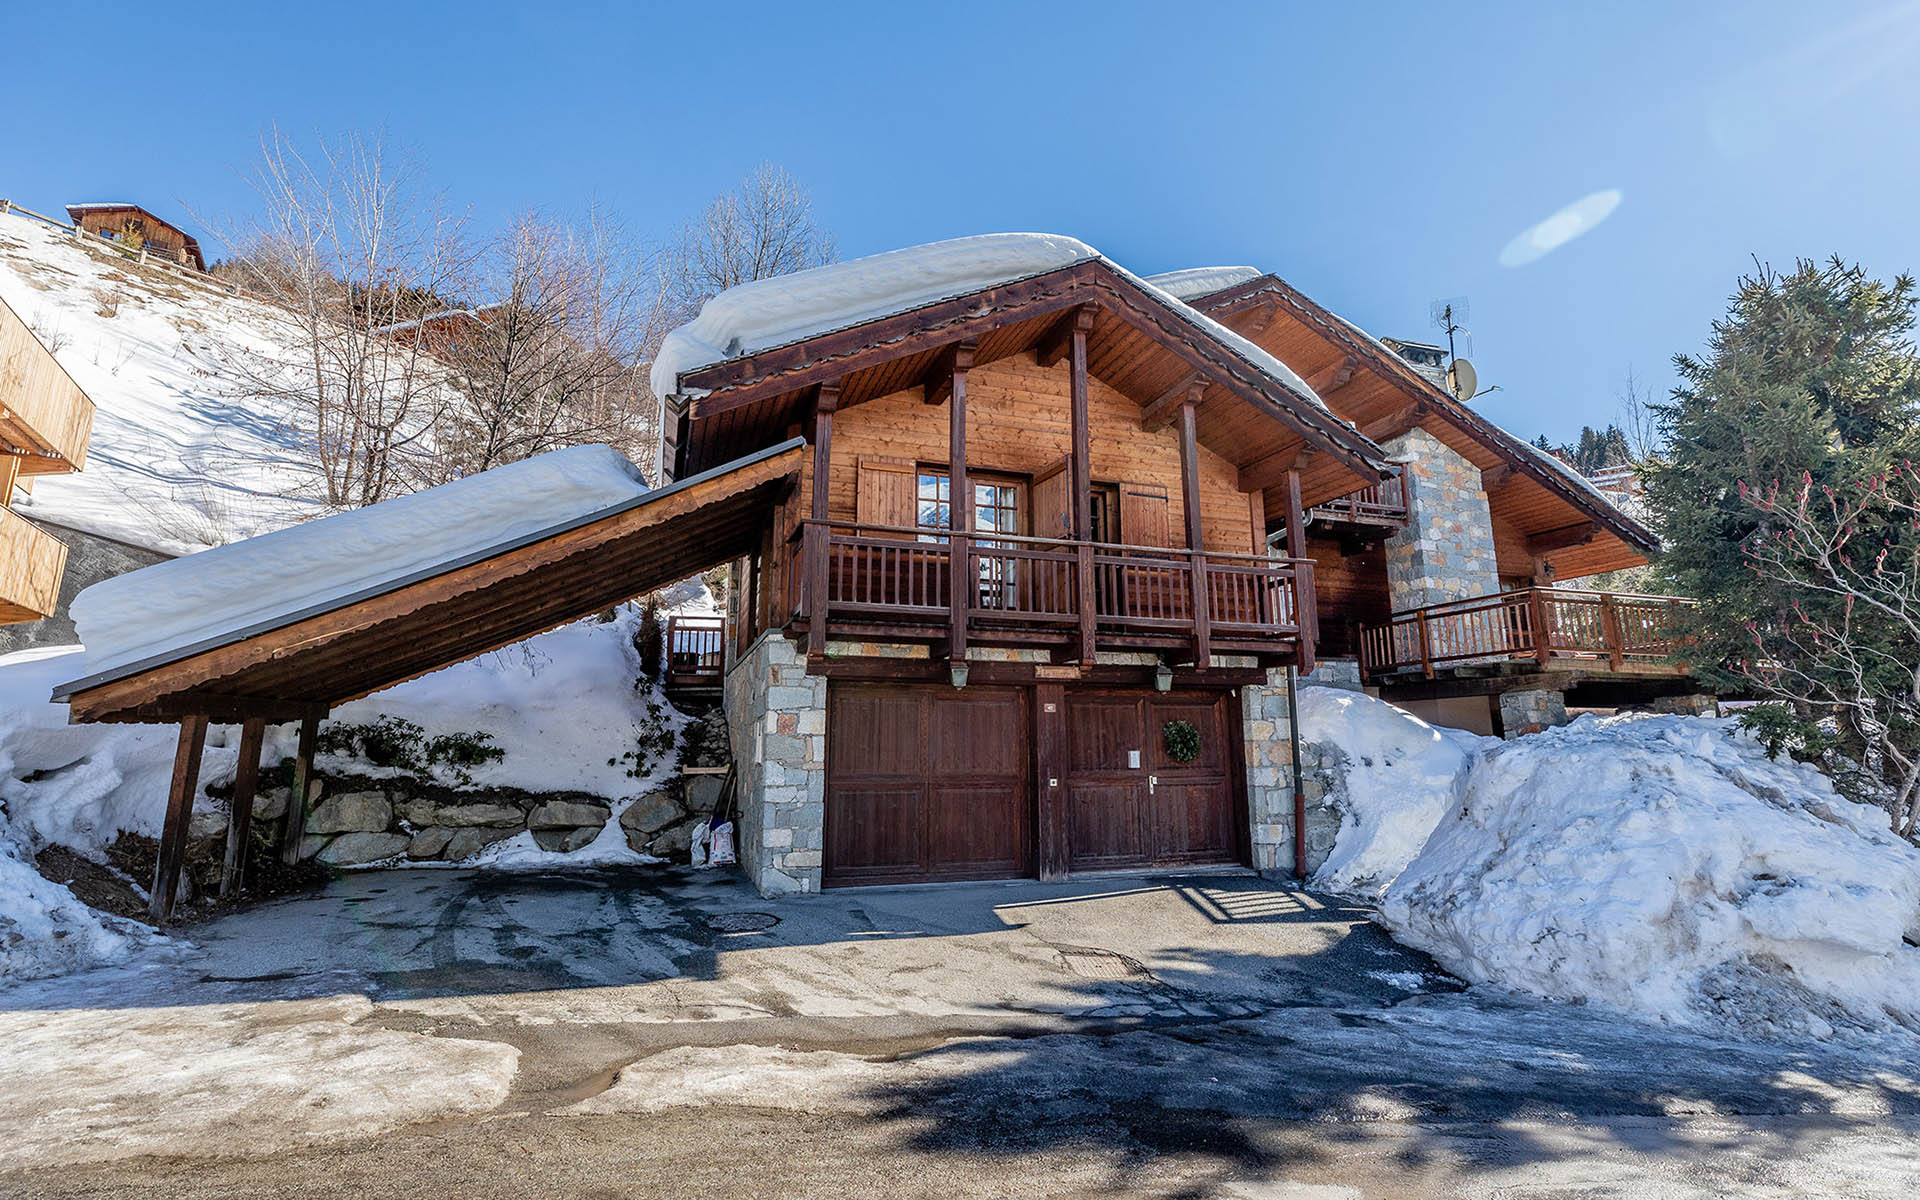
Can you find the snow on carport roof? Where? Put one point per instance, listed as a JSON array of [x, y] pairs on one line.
[[572, 536], [768, 313]]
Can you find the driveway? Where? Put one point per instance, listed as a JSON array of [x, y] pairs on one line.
[[659, 1031]]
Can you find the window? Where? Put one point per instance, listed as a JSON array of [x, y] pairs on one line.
[[996, 508]]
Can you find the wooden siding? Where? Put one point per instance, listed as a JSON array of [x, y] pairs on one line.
[[31, 560], [1351, 590], [42, 409], [1018, 423]]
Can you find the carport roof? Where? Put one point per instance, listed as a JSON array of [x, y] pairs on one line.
[[303, 662]]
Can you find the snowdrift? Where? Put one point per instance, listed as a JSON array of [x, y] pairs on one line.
[[1660, 866]]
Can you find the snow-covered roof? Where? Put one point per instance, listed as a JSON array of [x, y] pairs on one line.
[[1202, 281], [174, 605], [73, 208], [768, 313]]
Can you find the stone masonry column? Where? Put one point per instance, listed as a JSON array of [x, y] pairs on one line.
[[1446, 551], [1269, 756], [777, 720]]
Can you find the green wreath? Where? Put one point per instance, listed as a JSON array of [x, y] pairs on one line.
[[1182, 741]]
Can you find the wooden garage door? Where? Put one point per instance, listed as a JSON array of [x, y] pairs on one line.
[[1150, 811], [927, 782]]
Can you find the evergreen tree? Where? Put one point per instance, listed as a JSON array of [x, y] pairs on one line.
[[1811, 374]]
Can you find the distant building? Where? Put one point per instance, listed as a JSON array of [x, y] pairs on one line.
[[160, 238], [45, 421]]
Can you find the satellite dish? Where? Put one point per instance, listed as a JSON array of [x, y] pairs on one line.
[[1462, 380]]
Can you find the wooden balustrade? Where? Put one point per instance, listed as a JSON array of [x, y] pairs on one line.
[[696, 652], [1382, 503], [1548, 625], [879, 577]]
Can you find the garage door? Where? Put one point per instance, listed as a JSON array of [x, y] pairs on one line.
[[1129, 804], [927, 783]]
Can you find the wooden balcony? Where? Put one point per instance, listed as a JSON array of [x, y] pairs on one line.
[[45, 419], [31, 560], [1381, 505], [1548, 627], [696, 655], [891, 584]]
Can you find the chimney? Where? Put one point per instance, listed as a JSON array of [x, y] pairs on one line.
[[1430, 361]]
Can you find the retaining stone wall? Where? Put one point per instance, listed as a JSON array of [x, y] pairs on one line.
[[1269, 755]]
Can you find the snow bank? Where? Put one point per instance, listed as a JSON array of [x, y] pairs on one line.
[[1202, 281], [1402, 776], [1663, 866], [174, 605]]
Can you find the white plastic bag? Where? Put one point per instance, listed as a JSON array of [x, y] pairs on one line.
[[699, 852], [722, 855]]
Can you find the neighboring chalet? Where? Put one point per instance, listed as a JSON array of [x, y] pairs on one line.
[[1025, 549], [45, 421], [120, 221]]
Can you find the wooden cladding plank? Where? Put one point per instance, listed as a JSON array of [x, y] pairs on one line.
[[41, 408], [31, 562], [886, 492]]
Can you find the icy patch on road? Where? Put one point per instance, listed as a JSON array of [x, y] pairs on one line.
[[1402, 776], [91, 1085]]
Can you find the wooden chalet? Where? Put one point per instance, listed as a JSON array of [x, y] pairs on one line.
[[45, 421], [120, 221], [1022, 556]]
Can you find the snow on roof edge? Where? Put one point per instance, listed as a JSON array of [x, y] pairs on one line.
[[1192, 282]]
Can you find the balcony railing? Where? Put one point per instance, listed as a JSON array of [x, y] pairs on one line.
[[1546, 625], [31, 560], [1382, 503], [1024, 590], [696, 652]]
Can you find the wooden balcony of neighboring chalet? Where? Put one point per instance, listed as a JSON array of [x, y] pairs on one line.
[[695, 656], [45, 419], [1542, 629], [1072, 598], [31, 561], [1379, 507]]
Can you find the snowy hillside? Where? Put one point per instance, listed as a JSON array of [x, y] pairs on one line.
[[179, 459]]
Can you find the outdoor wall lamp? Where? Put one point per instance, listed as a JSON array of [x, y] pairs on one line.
[[1163, 678], [959, 674]]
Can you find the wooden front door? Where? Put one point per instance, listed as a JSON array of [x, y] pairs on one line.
[[1128, 803], [927, 782]]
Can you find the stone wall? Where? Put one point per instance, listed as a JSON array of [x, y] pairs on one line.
[[777, 716], [1530, 711], [1269, 755], [1446, 551], [90, 559]]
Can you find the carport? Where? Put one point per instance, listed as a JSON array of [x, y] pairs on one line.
[[296, 666]]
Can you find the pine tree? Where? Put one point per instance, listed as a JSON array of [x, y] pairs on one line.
[[1813, 374]]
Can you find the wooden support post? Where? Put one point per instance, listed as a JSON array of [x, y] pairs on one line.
[[818, 546], [1082, 468], [1196, 548], [1306, 604], [296, 829], [246, 780], [1542, 635], [960, 507], [1426, 644], [1610, 631], [1050, 779], [173, 831]]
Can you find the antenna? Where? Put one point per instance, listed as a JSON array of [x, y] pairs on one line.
[[1451, 315]]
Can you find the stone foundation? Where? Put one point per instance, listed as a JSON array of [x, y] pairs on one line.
[[1525, 712], [777, 714], [1698, 705], [1269, 755]]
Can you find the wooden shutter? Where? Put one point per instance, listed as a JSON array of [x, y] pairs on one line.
[[1052, 498], [884, 494], [1143, 515]]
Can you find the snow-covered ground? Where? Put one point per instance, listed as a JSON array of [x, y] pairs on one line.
[[1660, 866], [180, 457]]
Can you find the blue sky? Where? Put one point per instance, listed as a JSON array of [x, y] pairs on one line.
[[1380, 156]]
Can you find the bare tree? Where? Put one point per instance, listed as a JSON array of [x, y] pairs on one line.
[[555, 360], [350, 243], [1638, 420], [762, 228]]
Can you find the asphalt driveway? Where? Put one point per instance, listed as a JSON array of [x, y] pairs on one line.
[[659, 1031]]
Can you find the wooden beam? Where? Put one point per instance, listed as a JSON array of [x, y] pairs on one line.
[[963, 582], [1564, 538], [246, 780], [1496, 476], [1263, 473], [1057, 343], [1165, 409], [1394, 424], [298, 795], [173, 830], [937, 385], [1196, 547], [816, 549], [1082, 494], [1332, 376]]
